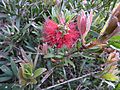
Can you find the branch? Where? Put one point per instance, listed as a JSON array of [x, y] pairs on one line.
[[71, 80]]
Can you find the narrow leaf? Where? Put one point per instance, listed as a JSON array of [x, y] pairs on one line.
[[39, 71]]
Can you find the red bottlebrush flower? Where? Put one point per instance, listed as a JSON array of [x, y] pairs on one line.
[[71, 37], [50, 28], [60, 35]]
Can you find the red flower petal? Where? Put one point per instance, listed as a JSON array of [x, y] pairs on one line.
[[53, 36]]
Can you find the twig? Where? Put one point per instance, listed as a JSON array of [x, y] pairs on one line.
[[71, 80], [17, 61], [36, 58]]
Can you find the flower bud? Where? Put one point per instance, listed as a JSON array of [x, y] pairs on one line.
[[84, 22]]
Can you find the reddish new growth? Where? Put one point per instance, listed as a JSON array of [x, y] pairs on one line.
[[60, 35]]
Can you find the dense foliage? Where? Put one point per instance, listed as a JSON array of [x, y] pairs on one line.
[[59, 44]]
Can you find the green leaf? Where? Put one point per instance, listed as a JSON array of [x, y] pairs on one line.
[[6, 78], [58, 56], [2, 15], [49, 55], [33, 81], [14, 68], [6, 70], [117, 87], [27, 70], [27, 75], [15, 87], [69, 62], [23, 82], [110, 77], [5, 86], [115, 38], [39, 71], [115, 42]]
